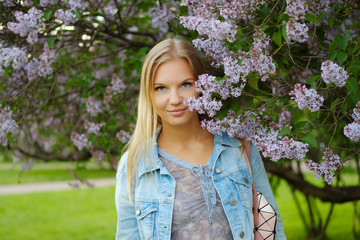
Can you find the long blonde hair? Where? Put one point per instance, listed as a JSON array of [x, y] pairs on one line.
[[147, 119]]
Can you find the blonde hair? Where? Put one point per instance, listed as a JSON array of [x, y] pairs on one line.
[[147, 119]]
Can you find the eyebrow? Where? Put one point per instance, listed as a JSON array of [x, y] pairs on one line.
[[185, 80]]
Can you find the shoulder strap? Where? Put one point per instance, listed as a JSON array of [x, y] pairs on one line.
[[247, 149]]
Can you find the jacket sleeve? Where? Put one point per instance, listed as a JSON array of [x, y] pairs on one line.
[[127, 227], [261, 183]]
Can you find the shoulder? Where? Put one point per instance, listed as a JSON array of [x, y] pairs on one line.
[[224, 139], [122, 163]]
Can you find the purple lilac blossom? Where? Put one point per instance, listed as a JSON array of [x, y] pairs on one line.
[[46, 3], [117, 86], [46, 59], [80, 141], [206, 85], [214, 50], [14, 56], [98, 155], [7, 125], [93, 106], [31, 69], [247, 126], [162, 15], [296, 9], [213, 28], [93, 127], [306, 98], [296, 31], [66, 16], [352, 130], [9, 3], [331, 72], [326, 170], [123, 136], [28, 24], [285, 117]]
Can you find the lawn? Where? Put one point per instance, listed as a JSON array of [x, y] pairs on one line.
[[90, 214], [53, 171]]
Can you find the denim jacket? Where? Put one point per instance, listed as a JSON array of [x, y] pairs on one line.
[[150, 216]]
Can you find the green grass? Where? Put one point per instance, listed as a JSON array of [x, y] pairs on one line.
[[55, 171], [90, 214], [72, 215]]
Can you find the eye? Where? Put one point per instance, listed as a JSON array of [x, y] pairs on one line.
[[186, 84], [160, 88]]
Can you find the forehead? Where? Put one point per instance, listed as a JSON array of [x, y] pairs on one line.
[[173, 70]]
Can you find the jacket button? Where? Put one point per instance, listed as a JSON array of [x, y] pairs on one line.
[[218, 170], [242, 234], [138, 212], [232, 202]]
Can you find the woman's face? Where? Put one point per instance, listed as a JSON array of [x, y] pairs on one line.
[[173, 83]]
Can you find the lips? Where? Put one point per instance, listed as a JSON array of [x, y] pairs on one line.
[[177, 112]]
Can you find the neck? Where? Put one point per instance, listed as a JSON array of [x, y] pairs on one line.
[[182, 135]]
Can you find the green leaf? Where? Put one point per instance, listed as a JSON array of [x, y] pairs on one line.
[[312, 79], [334, 103], [284, 131], [342, 41], [51, 42], [341, 57], [277, 38], [47, 15], [310, 139], [332, 55], [311, 18], [352, 85], [330, 21], [321, 16], [284, 33], [344, 108], [253, 83]]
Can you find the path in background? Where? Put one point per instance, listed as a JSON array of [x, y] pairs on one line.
[[54, 186]]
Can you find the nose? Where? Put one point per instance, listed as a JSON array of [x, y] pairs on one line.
[[175, 98]]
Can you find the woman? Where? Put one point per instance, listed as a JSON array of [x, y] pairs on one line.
[[177, 180]]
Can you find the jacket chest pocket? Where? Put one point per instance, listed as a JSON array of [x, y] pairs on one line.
[[146, 216], [242, 181]]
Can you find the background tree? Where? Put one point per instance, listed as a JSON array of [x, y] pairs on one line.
[[284, 74]]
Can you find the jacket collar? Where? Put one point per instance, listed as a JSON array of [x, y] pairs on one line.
[[147, 167]]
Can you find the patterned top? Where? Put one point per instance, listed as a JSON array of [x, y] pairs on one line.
[[198, 212]]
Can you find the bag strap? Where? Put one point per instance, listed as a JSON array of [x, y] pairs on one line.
[[255, 201]]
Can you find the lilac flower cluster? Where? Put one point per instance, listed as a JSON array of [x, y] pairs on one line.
[[123, 136], [316, 7], [117, 86], [8, 3], [46, 59], [296, 31], [206, 84], [68, 16], [306, 98], [14, 56], [326, 170], [28, 24], [45, 3], [93, 127], [80, 141], [247, 125], [296, 9], [214, 50], [162, 15], [7, 125], [93, 106], [98, 155], [213, 28], [285, 117], [331, 72], [231, 11], [352, 130]]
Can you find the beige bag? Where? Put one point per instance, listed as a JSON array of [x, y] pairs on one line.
[[264, 214]]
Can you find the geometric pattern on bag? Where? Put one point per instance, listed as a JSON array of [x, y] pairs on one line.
[[266, 226]]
